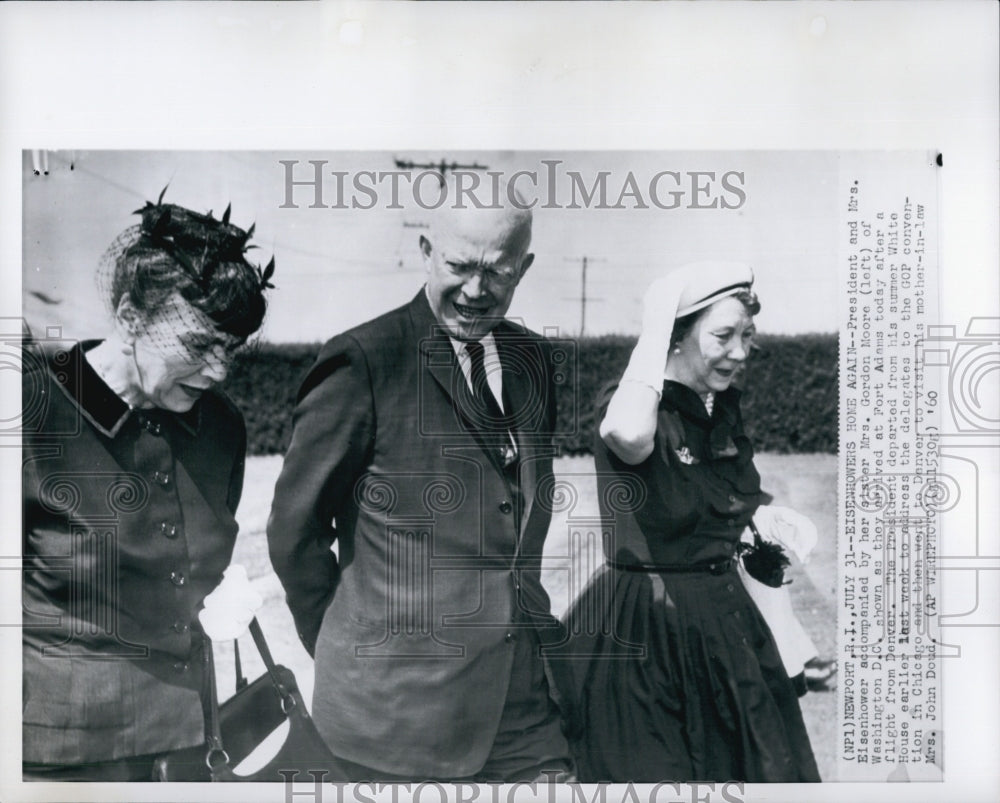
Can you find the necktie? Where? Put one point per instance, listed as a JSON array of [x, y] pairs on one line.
[[488, 416], [481, 387]]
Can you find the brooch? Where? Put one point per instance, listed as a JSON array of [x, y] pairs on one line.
[[685, 456]]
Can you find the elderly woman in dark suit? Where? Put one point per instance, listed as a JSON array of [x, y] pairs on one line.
[[683, 680], [133, 467]]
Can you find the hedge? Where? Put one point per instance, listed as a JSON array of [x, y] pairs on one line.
[[789, 402], [264, 382]]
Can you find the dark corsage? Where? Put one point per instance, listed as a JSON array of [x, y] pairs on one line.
[[765, 562]]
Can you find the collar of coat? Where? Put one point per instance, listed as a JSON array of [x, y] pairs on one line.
[[104, 408]]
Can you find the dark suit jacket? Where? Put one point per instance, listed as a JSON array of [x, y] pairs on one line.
[[128, 524], [412, 627]]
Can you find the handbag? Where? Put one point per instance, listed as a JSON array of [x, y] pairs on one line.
[[765, 562], [236, 728]]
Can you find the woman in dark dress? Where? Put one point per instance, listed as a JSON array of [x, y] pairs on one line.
[[133, 467], [677, 676]]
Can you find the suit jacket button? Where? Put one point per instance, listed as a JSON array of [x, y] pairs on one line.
[[161, 478], [509, 637], [506, 507], [179, 627], [168, 530], [181, 666], [178, 578]]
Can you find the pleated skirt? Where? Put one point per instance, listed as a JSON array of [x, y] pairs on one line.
[[676, 677]]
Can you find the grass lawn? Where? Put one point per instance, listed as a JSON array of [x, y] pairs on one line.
[[806, 483]]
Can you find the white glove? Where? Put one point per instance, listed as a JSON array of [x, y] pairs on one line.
[[230, 608], [649, 357], [784, 526]]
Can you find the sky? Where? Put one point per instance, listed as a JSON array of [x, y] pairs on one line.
[[337, 267]]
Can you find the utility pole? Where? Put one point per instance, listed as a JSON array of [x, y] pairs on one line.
[[441, 167], [584, 261]]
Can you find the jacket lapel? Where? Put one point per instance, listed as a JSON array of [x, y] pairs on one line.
[[524, 402], [438, 358]]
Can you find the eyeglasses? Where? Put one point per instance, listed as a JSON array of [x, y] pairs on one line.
[[501, 276]]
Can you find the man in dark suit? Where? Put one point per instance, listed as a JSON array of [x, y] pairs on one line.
[[421, 440]]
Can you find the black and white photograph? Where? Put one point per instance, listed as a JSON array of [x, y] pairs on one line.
[[433, 609], [437, 462]]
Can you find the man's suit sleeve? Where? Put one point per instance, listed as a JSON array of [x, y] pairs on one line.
[[334, 427]]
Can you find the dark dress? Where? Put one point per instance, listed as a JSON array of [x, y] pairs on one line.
[[128, 524], [676, 676]]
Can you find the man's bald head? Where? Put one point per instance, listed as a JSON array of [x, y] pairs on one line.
[[505, 225], [475, 258]]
